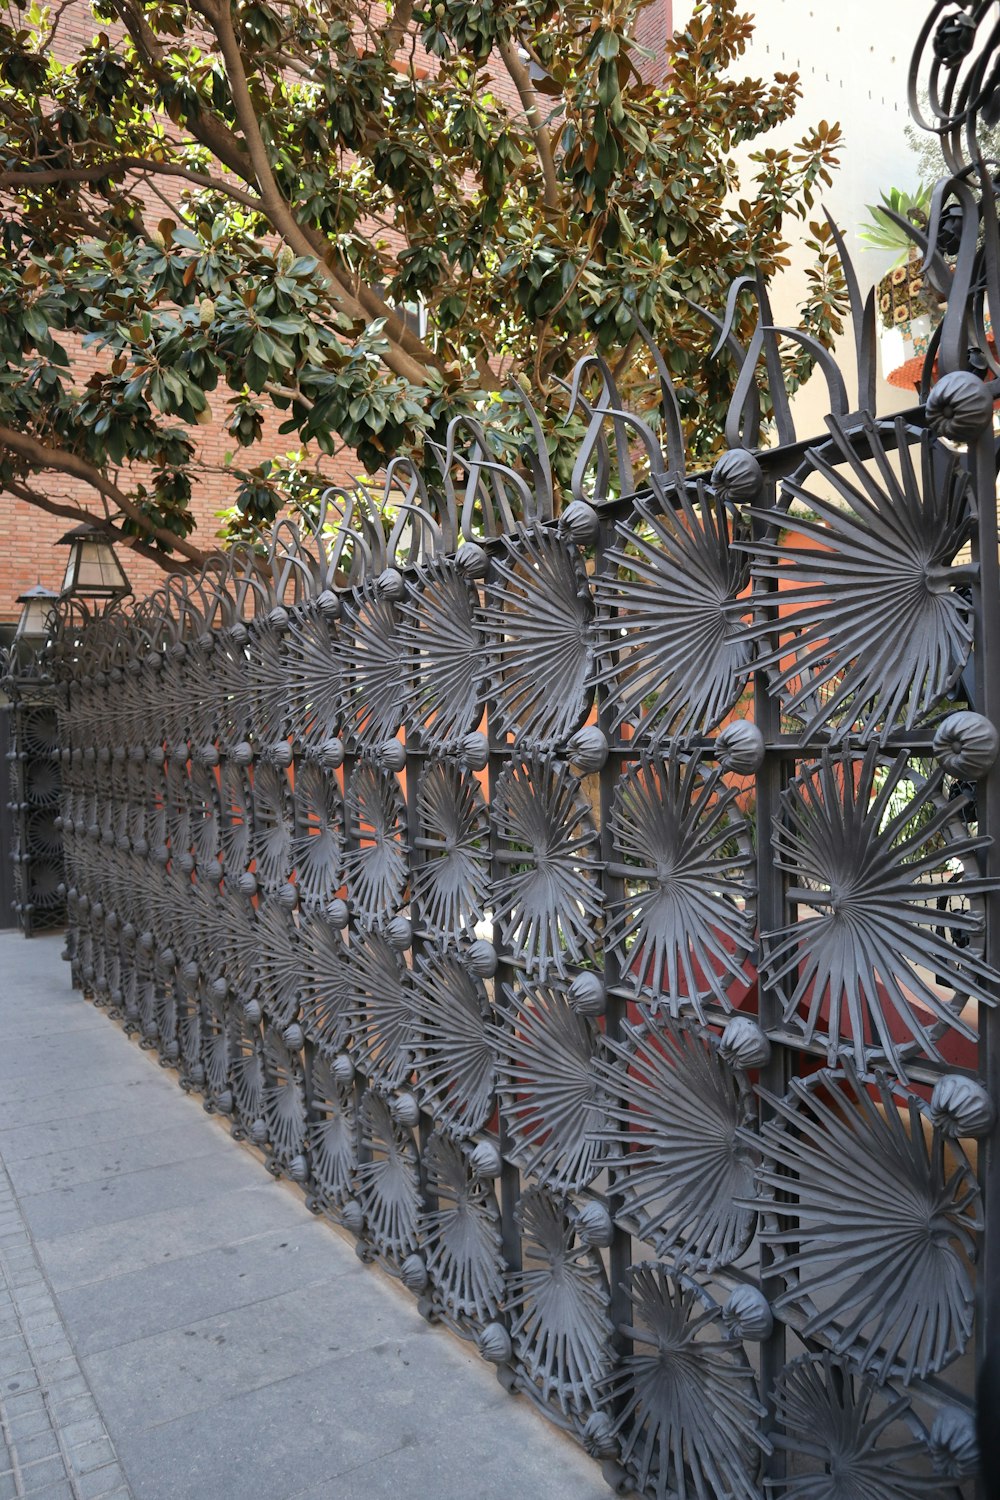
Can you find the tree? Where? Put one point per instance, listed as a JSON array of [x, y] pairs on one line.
[[250, 195]]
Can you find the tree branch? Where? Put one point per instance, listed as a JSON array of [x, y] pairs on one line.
[[40, 456], [529, 99], [80, 513], [140, 164], [360, 302]]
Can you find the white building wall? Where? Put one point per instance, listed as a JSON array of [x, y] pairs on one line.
[[853, 59]]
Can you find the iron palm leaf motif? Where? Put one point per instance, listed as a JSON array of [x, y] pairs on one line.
[[375, 861], [550, 1091], [680, 1163], [685, 925], [332, 1134], [312, 676], [539, 614], [872, 629], [267, 682], [235, 947], [230, 696], [317, 845], [388, 1180], [441, 641], [236, 825], [199, 670], [547, 898], [279, 961], [373, 702], [381, 1015], [838, 1427], [205, 816], [460, 1235], [870, 851], [872, 1215], [688, 1412], [674, 621], [451, 1029], [215, 1026], [246, 1072], [324, 989], [284, 1098], [178, 808], [559, 1306], [273, 826], [451, 881]]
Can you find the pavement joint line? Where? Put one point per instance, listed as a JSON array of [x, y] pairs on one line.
[[39, 1294]]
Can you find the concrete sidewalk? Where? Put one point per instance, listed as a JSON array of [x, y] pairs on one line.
[[174, 1323]]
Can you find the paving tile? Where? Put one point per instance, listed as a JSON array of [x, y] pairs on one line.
[[44, 1444], [76, 1207], [87, 1457], [36, 1476], [100, 1482], [182, 1291], [167, 1375], [184, 1141], [110, 1250]]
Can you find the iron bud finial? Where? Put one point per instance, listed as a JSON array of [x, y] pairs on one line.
[[587, 750], [739, 749], [737, 476], [959, 407], [495, 1344], [747, 1315], [960, 1106], [966, 744], [485, 1162], [953, 1443], [579, 521]]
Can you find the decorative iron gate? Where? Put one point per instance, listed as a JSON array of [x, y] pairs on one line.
[[597, 912]]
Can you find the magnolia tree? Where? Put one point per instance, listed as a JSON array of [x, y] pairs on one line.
[[371, 219]]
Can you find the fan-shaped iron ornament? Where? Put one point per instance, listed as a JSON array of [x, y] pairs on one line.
[[677, 1155], [331, 1134], [688, 1410], [838, 1429], [873, 851], [461, 1236], [381, 1009], [539, 615], [547, 896], [280, 961], [312, 677], [549, 1085], [373, 705], [559, 1307], [284, 1100], [451, 879], [685, 926], [325, 992], [273, 826], [441, 642], [317, 845], [375, 860], [873, 1217], [675, 642], [388, 1180], [452, 1040], [236, 818], [267, 682], [875, 624]]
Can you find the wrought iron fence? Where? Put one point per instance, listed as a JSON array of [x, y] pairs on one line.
[[597, 912]]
